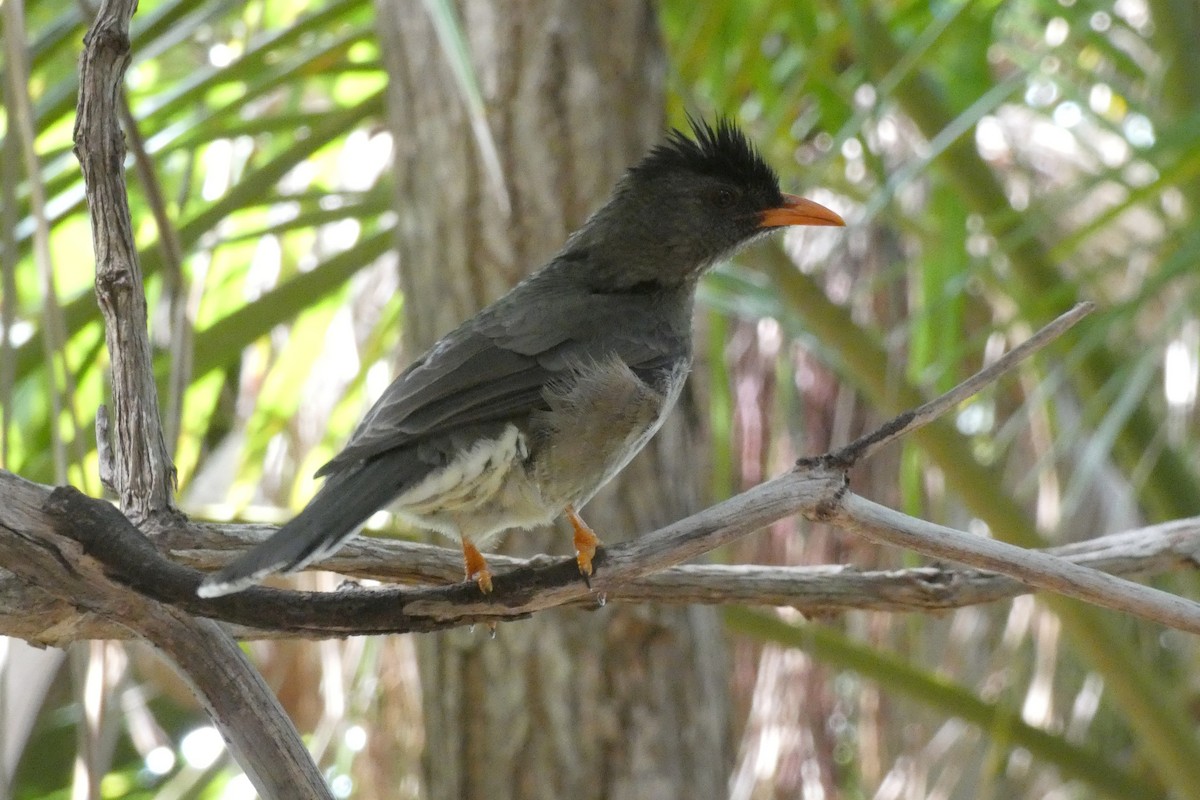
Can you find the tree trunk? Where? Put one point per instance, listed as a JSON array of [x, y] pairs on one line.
[[614, 703]]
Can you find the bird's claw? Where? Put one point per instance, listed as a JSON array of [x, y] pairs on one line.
[[476, 567], [586, 542], [482, 578]]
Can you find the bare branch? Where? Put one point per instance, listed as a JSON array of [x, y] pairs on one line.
[[30, 613], [1030, 567], [1153, 550], [144, 476], [260, 735], [909, 421], [544, 583]]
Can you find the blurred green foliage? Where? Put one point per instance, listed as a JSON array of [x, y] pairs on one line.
[[996, 162]]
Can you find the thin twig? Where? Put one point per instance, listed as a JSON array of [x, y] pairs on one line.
[[918, 417]]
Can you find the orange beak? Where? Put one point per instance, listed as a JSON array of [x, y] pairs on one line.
[[798, 211]]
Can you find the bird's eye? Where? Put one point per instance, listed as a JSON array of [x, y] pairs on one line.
[[724, 197]]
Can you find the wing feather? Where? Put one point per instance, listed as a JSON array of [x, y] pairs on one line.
[[497, 368]]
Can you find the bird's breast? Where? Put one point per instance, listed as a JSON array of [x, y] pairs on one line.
[[600, 417]]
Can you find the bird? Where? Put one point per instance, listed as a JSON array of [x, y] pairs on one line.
[[524, 411]]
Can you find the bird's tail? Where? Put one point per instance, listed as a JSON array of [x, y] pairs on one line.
[[342, 505]]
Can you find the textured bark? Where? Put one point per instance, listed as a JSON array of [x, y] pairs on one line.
[[628, 703], [256, 730], [238, 700], [141, 473], [66, 523]]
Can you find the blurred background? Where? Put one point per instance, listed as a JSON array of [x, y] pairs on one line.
[[320, 189]]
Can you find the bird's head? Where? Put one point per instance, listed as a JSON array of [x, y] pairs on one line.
[[691, 201]]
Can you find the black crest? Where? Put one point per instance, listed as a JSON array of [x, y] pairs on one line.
[[720, 150]]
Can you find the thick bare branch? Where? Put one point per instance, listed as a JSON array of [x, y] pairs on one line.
[[144, 475], [33, 614], [260, 735], [1153, 550], [265, 743], [545, 583]]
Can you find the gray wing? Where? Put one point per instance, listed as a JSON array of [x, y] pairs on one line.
[[496, 368]]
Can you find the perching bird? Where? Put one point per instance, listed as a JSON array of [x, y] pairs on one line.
[[525, 410]]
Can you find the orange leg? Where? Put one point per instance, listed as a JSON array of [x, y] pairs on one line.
[[476, 566], [585, 542]]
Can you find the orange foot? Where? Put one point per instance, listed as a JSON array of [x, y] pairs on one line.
[[585, 543], [476, 566]]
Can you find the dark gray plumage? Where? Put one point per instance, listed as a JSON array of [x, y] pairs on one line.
[[524, 411]]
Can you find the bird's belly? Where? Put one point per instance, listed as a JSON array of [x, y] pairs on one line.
[[483, 491]]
